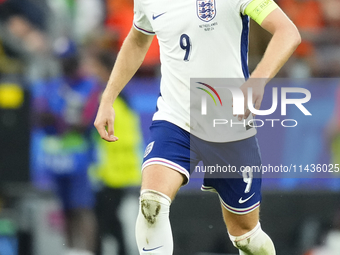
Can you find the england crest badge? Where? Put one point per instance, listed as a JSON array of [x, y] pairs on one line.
[[206, 9], [148, 149]]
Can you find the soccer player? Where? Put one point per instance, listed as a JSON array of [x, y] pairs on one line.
[[202, 38]]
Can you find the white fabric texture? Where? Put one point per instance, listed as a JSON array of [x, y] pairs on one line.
[[153, 230]]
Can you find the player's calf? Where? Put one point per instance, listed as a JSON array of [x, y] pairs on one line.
[[255, 242], [153, 230]]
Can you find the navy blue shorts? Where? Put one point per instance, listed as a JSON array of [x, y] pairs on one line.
[[228, 168], [75, 191]]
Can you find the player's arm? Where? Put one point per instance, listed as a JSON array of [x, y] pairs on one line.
[[284, 41], [129, 59]]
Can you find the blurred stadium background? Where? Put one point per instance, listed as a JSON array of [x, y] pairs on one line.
[[302, 215]]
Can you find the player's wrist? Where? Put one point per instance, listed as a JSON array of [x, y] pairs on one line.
[[259, 80], [107, 98]]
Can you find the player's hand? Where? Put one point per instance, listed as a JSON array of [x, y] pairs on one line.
[[257, 86], [105, 121]]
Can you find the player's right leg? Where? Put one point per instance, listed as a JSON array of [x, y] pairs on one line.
[[165, 170], [153, 231]]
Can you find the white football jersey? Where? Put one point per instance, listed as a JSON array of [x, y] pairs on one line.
[[197, 38]]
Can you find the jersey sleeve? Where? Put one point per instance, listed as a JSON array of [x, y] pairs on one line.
[[140, 20], [258, 10]]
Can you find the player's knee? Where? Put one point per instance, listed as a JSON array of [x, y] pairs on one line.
[[242, 242], [152, 204], [254, 242]]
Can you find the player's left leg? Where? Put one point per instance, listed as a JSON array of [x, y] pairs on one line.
[[246, 234], [239, 191]]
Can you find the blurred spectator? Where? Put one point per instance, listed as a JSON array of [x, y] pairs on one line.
[[88, 16], [328, 42], [118, 166], [8, 64], [33, 12], [75, 19], [319, 24], [119, 19], [63, 115], [35, 29], [307, 15], [23, 30]]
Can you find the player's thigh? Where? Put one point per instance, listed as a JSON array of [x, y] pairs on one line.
[[240, 224], [240, 188], [167, 158], [162, 179]]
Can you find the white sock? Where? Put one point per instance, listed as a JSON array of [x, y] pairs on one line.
[[153, 230], [255, 242], [75, 251]]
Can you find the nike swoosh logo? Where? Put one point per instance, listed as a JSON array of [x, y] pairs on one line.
[[155, 17], [241, 201], [152, 248]]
